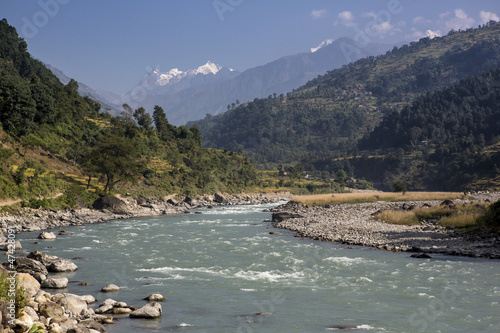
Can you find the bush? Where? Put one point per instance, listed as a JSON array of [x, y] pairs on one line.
[[492, 217], [20, 297]]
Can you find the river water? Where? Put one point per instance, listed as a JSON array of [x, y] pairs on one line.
[[222, 271]]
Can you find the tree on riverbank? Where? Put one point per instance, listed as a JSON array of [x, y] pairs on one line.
[[116, 158]]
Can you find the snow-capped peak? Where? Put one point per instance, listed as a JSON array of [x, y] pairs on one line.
[[208, 68], [324, 43], [175, 75]]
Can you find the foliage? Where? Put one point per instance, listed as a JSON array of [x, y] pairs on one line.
[[20, 298], [133, 152], [319, 124], [446, 132], [492, 217]]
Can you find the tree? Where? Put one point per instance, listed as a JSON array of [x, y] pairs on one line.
[[143, 118], [341, 176], [127, 113], [399, 186], [165, 130], [116, 158]]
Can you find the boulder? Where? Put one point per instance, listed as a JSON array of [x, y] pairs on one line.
[[73, 303], [44, 258], [282, 216], [8, 246], [53, 263], [106, 306], [30, 284], [32, 313], [189, 200], [149, 311], [31, 266], [119, 311], [110, 203], [172, 202], [91, 324], [52, 310], [89, 299], [155, 298], [62, 265], [55, 282], [110, 288], [47, 235], [219, 198], [421, 256], [20, 326]]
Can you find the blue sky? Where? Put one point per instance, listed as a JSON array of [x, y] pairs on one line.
[[111, 44]]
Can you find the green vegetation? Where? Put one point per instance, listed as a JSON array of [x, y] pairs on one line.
[[12, 292], [57, 148], [422, 115]]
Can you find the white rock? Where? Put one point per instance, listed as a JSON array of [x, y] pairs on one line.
[[47, 235], [150, 310], [55, 282], [110, 288]]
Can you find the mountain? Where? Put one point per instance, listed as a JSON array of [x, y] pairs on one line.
[[443, 140], [189, 96], [108, 100], [320, 123], [173, 81], [53, 140]]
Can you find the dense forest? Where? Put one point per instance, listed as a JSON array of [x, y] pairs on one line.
[[321, 124], [444, 139], [51, 138]]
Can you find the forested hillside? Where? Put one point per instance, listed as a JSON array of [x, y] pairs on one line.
[[51, 138], [320, 123], [443, 139]]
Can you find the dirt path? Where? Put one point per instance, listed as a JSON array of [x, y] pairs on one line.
[[9, 202]]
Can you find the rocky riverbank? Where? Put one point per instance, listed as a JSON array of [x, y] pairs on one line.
[[66, 312], [42, 311], [111, 208], [353, 224]]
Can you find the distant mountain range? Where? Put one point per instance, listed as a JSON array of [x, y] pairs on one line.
[[108, 100], [190, 95]]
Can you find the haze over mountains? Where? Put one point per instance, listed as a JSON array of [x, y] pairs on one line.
[[190, 95]]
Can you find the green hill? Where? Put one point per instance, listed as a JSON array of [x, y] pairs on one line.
[[52, 139], [443, 140], [320, 123]]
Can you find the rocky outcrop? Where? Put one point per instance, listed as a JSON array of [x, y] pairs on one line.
[[110, 203], [218, 198], [30, 266], [53, 263], [148, 311]]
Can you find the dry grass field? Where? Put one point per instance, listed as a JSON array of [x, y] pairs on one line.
[[340, 198]]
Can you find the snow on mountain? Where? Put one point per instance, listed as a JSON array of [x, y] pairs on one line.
[[324, 43], [175, 75]]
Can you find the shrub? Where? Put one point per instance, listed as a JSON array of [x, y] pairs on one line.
[[492, 216], [6, 292]]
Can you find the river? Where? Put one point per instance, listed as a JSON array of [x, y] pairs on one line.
[[222, 271]]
